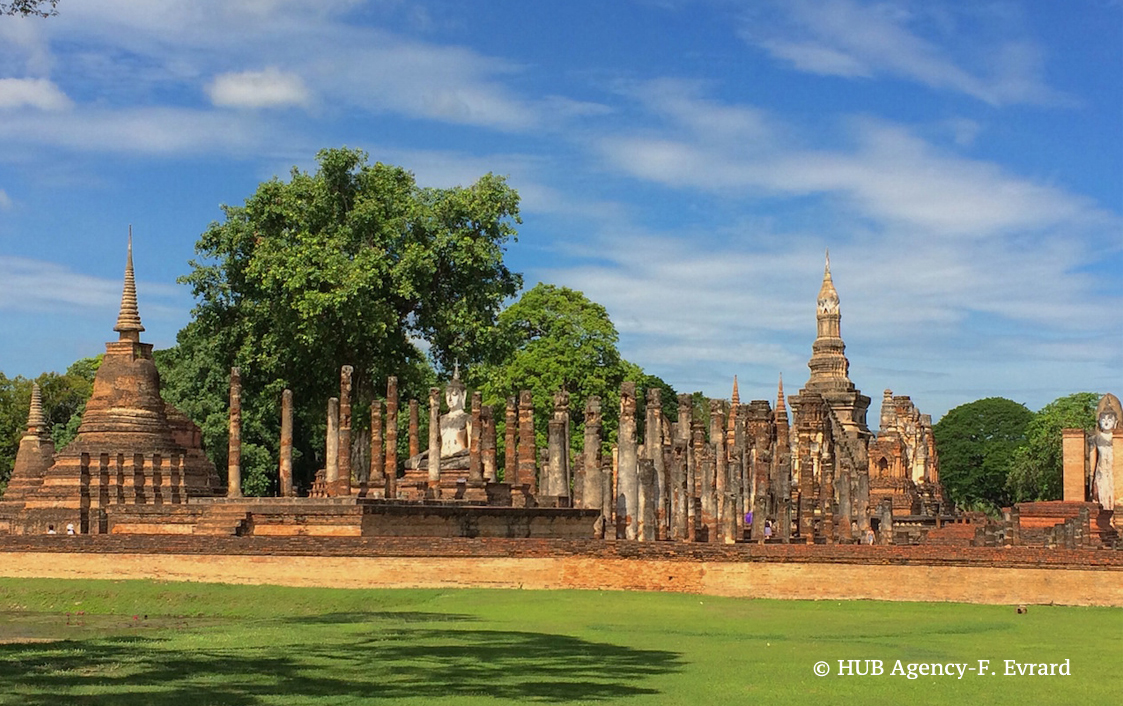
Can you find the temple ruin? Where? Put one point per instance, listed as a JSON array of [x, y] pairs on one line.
[[132, 448], [804, 469]]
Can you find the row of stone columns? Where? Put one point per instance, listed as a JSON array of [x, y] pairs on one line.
[[673, 486]]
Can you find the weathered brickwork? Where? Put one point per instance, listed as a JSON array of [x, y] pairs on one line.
[[131, 448], [977, 575]]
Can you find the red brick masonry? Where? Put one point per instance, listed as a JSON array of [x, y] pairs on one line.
[[913, 573], [992, 557]]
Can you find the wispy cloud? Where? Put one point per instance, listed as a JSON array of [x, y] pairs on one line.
[[38, 93], [886, 172], [853, 39], [28, 285], [267, 88], [142, 131], [348, 65]]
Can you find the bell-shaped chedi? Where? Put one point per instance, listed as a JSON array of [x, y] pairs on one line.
[[131, 448]]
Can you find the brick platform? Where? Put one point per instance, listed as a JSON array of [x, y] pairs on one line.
[[830, 572]]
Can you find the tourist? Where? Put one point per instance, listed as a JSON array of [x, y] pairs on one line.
[[70, 528], [51, 529], [767, 530], [869, 535]]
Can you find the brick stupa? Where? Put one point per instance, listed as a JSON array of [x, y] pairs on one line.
[[132, 448]]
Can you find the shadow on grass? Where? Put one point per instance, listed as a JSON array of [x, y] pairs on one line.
[[379, 656]]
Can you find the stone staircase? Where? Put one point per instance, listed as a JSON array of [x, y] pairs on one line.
[[225, 519]]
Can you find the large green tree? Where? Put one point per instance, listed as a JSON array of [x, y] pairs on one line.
[[976, 442], [353, 264], [555, 338], [1036, 468]]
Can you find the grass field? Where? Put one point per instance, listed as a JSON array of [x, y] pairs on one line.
[[140, 642]]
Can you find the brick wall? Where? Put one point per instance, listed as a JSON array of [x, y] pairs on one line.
[[974, 574]]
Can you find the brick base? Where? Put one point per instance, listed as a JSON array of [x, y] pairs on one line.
[[829, 572]]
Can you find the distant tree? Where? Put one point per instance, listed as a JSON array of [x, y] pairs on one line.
[[29, 8], [976, 442], [353, 264], [557, 338], [1036, 468], [554, 338]]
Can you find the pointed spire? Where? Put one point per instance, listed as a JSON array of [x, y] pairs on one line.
[[36, 421], [781, 406], [734, 409], [827, 291], [128, 320], [780, 418]]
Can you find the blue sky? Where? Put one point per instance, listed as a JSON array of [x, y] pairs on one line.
[[683, 163]]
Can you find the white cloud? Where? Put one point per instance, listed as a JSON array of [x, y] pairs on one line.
[[865, 40], [258, 89], [145, 131], [697, 308], [23, 44], [347, 65], [36, 286], [32, 92], [887, 173], [5, 201]]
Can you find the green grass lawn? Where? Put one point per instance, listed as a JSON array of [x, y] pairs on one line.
[[142, 642]]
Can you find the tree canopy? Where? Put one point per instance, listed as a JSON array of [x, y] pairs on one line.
[[353, 264], [976, 442], [29, 8], [1036, 471], [555, 338]]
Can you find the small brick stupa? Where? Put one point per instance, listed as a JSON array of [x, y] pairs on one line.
[[132, 448]]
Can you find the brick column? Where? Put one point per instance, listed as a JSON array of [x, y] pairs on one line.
[[718, 508], [331, 450], [391, 465], [591, 492], [414, 435], [627, 505], [557, 474], [678, 488], [653, 443], [376, 477], [435, 441], [842, 522], [527, 448], [475, 457], [234, 450], [487, 444], [693, 461], [645, 509], [286, 445], [510, 443], [1073, 460], [345, 430]]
